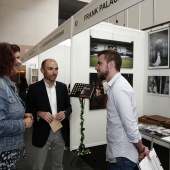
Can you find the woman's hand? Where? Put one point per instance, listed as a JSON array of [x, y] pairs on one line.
[[29, 115], [28, 122]]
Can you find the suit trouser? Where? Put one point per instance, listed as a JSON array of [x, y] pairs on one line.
[[56, 144]]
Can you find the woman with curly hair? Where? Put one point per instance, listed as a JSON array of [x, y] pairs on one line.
[[12, 121]]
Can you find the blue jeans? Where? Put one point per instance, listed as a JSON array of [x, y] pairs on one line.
[[122, 164]]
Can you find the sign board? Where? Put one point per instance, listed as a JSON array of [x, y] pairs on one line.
[[60, 34], [31, 53], [98, 11]]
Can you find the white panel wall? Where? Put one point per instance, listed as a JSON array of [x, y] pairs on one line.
[[147, 14], [133, 19], [27, 22], [120, 17], [162, 13], [154, 104], [95, 120]]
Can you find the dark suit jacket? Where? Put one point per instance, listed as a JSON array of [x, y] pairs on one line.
[[37, 100]]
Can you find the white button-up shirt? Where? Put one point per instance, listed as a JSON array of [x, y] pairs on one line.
[[51, 91], [122, 120]]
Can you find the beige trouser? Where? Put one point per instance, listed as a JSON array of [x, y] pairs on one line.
[[56, 144]]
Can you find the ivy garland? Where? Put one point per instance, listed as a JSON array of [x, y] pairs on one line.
[[82, 150]]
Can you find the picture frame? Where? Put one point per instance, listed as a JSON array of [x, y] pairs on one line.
[[125, 49], [99, 99], [128, 77], [159, 49], [158, 85]]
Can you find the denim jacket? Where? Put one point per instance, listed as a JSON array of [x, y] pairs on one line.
[[12, 111]]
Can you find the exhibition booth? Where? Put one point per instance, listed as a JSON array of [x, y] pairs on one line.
[[75, 44]]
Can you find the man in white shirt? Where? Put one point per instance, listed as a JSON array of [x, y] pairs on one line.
[[124, 144]]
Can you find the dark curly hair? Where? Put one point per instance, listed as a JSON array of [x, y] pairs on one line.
[[7, 59]]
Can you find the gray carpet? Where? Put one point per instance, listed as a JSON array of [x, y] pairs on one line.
[[78, 163]]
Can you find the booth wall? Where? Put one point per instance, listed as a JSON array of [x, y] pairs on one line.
[[154, 104], [27, 22], [95, 120]]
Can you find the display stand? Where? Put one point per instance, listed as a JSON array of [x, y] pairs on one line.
[[82, 91]]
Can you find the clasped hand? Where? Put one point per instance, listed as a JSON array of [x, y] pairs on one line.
[[48, 117], [28, 120]]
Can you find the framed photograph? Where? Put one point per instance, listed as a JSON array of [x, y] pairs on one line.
[[99, 99], [125, 49], [128, 77], [159, 49], [158, 85]]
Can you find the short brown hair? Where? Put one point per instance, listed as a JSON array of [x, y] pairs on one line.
[[7, 57], [112, 55]]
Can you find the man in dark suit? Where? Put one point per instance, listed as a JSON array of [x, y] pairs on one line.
[[48, 101]]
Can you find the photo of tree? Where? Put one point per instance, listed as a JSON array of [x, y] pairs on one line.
[[125, 49], [159, 49]]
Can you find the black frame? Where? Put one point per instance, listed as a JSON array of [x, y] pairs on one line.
[[159, 49]]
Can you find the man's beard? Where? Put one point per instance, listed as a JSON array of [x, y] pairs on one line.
[[102, 76]]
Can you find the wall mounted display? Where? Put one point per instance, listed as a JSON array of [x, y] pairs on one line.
[[129, 78], [159, 49], [158, 85], [125, 49], [99, 99]]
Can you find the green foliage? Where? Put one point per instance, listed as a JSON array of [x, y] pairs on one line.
[[82, 150]]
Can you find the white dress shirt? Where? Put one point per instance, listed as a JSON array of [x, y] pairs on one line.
[[51, 91], [122, 120]]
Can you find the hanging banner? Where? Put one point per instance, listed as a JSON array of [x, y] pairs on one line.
[[31, 53], [60, 34], [98, 11]]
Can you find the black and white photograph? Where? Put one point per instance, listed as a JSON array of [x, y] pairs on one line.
[[125, 49], [158, 49], [158, 85]]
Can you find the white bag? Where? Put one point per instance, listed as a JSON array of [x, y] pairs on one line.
[[153, 164]]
